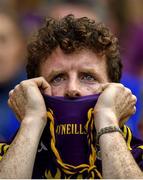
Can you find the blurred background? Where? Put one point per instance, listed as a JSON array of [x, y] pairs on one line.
[[20, 19]]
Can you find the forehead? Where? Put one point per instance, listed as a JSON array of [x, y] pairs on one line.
[[85, 59]]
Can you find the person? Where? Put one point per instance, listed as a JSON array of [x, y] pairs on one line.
[[12, 59], [73, 57]]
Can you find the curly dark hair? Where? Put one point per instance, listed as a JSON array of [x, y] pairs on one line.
[[74, 34]]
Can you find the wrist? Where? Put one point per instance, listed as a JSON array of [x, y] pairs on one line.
[[109, 129], [105, 118], [30, 133], [34, 122]]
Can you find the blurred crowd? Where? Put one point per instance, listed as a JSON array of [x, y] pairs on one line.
[[20, 19]]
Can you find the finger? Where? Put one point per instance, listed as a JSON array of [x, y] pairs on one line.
[[16, 87], [131, 100], [11, 92], [40, 82], [9, 103], [125, 118], [129, 97], [118, 85], [134, 99], [13, 106], [43, 85], [131, 112], [128, 90]]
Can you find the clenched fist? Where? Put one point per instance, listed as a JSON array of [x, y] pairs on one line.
[[26, 99], [115, 105]]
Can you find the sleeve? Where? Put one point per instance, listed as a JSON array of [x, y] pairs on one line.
[[3, 149]]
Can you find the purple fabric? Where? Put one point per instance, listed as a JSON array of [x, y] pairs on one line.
[[74, 149], [137, 151], [70, 118]]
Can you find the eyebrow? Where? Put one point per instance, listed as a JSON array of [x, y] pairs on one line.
[[54, 73], [90, 71]]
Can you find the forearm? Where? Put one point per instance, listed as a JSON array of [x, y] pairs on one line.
[[19, 160], [117, 161]]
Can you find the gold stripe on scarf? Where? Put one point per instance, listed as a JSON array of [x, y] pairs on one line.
[[67, 168], [129, 139]]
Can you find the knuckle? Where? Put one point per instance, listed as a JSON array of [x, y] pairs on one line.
[[9, 103], [38, 78], [26, 83], [16, 87], [128, 91], [42, 78], [23, 83], [134, 98], [11, 92], [119, 85]]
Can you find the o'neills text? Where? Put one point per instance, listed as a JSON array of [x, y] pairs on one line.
[[63, 129]]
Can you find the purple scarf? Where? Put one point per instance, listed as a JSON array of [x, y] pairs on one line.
[[72, 132]]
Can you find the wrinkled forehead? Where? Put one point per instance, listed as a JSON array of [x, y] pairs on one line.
[[83, 56], [86, 55], [85, 60]]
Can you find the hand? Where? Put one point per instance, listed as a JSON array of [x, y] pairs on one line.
[[115, 104], [26, 99]]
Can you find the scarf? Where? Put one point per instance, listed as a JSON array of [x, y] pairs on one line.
[[71, 137]]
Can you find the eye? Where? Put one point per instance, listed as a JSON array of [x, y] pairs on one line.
[[87, 77], [57, 79]]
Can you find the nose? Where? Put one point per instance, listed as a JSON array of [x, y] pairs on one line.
[[73, 89], [72, 94]]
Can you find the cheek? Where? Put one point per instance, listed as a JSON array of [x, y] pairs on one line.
[[57, 90], [91, 89]]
